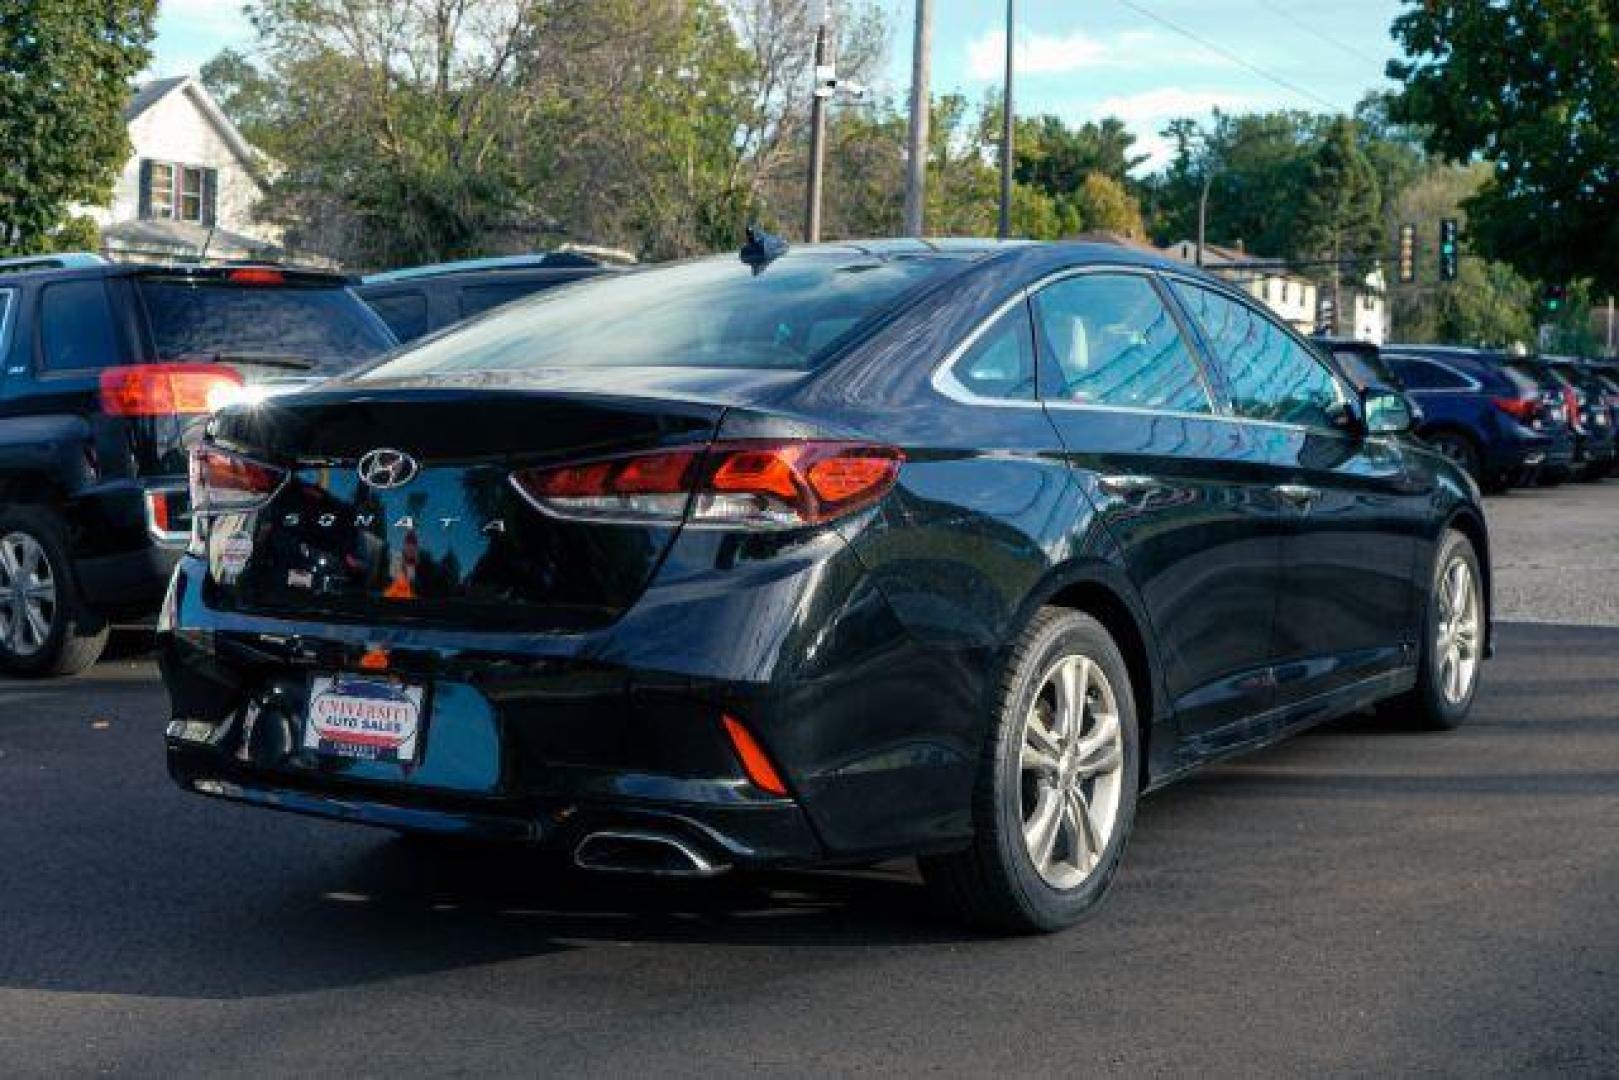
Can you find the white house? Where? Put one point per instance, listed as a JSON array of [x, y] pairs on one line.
[[191, 184], [1289, 295], [1366, 311]]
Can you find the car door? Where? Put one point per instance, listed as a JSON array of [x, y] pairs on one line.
[[1354, 512], [1179, 488]]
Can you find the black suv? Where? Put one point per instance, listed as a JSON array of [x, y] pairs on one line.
[[421, 299], [109, 371]]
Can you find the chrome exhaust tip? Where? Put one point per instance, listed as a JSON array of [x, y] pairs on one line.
[[632, 852]]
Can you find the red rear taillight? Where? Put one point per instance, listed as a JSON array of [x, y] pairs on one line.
[[745, 484], [167, 389], [1571, 405], [1521, 409], [223, 482], [256, 275]]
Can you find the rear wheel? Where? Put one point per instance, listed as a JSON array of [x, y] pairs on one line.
[[1457, 449], [1453, 641], [1057, 787], [45, 628]]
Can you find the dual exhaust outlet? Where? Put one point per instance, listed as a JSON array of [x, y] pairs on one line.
[[630, 851]]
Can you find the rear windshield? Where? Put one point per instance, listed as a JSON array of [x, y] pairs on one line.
[[713, 313], [329, 329], [1365, 368], [1530, 375]]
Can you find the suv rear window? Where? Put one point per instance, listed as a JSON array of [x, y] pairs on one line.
[[330, 329], [712, 313]]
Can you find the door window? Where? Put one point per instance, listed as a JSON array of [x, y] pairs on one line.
[[1000, 364], [1423, 375], [1109, 339], [76, 326], [1271, 376]]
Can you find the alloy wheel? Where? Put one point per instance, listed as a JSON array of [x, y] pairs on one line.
[[1457, 647], [1071, 771], [27, 595]]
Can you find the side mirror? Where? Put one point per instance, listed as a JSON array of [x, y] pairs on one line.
[[1387, 412]]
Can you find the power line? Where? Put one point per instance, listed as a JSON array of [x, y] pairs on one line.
[[1341, 46], [1229, 55]]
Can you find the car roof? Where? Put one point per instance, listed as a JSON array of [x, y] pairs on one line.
[[539, 260]]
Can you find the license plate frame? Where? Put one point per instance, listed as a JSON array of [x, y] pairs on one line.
[[364, 718]]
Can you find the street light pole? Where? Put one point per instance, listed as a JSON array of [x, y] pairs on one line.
[[1007, 113], [917, 163], [817, 153]]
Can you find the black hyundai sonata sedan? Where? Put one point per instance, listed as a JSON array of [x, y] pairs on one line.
[[853, 551]]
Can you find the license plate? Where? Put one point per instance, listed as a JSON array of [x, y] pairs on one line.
[[364, 718]]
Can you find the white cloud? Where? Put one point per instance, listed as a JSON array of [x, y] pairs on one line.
[[1167, 103], [1037, 54], [1058, 54]]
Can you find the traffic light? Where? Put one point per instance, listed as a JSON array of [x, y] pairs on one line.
[[1408, 254], [1447, 249], [1553, 298]]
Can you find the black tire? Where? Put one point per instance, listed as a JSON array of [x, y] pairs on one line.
[[994, 884], [76, 635], [1427, 707], [1458, 449]]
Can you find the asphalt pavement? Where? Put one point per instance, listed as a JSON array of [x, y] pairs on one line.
[[1356, 901]]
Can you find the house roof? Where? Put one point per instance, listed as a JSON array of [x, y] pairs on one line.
[[184, 238], [150, 94]]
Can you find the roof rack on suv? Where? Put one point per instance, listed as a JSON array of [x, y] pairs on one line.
[[65, 260]]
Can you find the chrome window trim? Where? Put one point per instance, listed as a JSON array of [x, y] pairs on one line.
[[1473, 385], [945, 383], [8, 305]]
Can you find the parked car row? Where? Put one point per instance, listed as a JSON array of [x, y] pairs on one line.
[[1508, 421]]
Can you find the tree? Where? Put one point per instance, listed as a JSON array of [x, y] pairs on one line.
[[1532, 87], [1106, 206], [1340, 214], [65, 72]]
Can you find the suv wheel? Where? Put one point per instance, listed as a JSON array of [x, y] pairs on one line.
[[44, 628], [1452, 642], [1457, 449], [1057, 785]]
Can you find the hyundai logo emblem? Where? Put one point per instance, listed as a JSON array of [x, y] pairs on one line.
[[383, 468]]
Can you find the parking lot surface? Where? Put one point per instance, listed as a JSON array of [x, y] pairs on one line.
[[1355, 901]]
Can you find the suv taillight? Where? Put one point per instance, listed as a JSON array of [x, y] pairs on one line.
[[1523, 410], [744, 484], [222, 482], [167, 389]]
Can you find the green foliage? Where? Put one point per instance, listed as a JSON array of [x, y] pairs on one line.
[[65, 69], [1105, 205], [1531, 86], [1340, 213]]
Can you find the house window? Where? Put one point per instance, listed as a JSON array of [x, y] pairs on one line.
[[174, 192], [1287, 291], [1370, 302], [1264, 290]]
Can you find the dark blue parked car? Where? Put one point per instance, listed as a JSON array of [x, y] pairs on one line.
[[1479, 411]]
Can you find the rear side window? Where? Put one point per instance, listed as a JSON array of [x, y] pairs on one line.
[[1108, 339], [325, 330], [405, 313], [76, 328], [1000, 364], [477, 299], [1426, 375], [1271, 376]]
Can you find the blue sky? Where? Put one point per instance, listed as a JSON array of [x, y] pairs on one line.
[[1081, 59]]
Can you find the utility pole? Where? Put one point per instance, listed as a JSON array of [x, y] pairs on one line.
[[917, 163], [817, 153], [1203, 213], [1007, 115]]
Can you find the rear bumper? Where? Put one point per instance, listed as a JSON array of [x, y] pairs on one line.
[[545, 738], [127, 585]]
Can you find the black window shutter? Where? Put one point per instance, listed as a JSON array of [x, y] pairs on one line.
[[210, 196], [145, 212]]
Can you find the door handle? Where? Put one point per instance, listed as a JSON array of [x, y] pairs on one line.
[[1297, 494], [1128, 485]]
